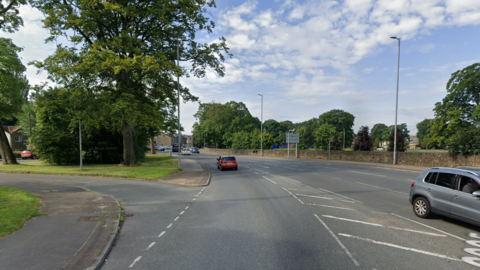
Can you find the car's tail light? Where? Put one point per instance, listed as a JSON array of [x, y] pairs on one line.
[[413, 184]]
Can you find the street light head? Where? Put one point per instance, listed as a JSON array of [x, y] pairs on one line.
[[260, 95]]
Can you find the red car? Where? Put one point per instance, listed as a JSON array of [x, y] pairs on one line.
[[28, 154], [227, 162]]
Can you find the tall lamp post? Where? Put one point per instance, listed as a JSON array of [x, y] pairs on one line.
[[396, 105], [261, 129], [178, 88]]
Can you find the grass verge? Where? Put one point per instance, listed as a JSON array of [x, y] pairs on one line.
[[16, 208], [153, 167]]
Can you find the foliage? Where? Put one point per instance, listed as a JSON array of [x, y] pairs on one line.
[[323, 134], [400, 141], [9, 19], [341, 120], [403, 129], [465, 142], [275, 129], [424, 133], [363, 141], [336, 144], [380, 132], [306, 131]]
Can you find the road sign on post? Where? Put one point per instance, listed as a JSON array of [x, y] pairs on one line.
[[292, 138]]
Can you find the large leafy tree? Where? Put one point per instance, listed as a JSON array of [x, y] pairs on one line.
[[400, 141], [13, 91], [403, 129], [323, 136], [341, 120], [274, 128], [128, 49], [380, 132], [424, 133], [9, 18]]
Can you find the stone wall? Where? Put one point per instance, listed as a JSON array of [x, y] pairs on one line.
[[403, 158]]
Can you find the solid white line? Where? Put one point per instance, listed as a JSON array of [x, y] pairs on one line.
[[290, 179], [368, 173], [294, 196], [311, 196], [347, 201], [176, 218], [329, 206], [331, 192], [338, 241], [151, 245], [194, 199], [403, 193], [136, 260], [187, 207], [430, 227], [354, 221], [169, 226], [162, 233], [270, 180], [400, 247], [181, 213]]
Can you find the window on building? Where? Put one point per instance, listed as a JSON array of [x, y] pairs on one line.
[[18, 138]]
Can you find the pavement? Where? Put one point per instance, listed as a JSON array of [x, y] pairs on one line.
[[80, 226]]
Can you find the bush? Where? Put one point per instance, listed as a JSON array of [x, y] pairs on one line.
[[400, 141], [364, 141]]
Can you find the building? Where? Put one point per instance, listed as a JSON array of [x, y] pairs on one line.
[[17, 140], [165, 139]]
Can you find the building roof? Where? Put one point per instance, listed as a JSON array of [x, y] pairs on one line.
[[11, 129]]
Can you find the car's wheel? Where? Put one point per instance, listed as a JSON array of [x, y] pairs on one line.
[[23, 158], [421, 207]]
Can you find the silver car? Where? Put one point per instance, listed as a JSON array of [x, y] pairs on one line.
[[450, 192]]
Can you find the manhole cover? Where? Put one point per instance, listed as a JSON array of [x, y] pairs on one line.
[[89, 218]]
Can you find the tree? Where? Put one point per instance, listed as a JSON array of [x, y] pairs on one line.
[[403, 129], [380, 132], [127, 49], [274, 128], [323, 135], [400, 141], [13, 91], [364, 141], [9, 19], [465, 143], [424, 133], [341, 120], [336, 144]]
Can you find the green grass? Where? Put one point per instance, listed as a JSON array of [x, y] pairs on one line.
[[153, 167], [16, 208]]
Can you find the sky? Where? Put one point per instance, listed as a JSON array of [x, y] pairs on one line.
[[309, 57]]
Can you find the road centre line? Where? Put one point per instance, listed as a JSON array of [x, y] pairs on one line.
[[194, 199], [311, 196], [187, 207], [270, 180], [380, 225], [329, 206], [331, 192], [169, 226], [176, 218], [367, 173], [162, 233], [294, 196], [430, 227], [403, 193], [181, 213], [338, 241], [401, 247], [151, 245], [290, 179], [136, 260]]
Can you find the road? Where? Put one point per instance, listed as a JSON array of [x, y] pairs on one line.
[[279, 214]]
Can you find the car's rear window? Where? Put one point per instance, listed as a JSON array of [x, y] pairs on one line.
[[431, 178], [229, 158]]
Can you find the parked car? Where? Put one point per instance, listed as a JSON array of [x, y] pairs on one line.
[[451, 192], [227, 162], [159, 148], [28, 154], [186, 151], [194, 150]]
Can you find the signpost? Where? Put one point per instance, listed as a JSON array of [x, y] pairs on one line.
[[292, 138]]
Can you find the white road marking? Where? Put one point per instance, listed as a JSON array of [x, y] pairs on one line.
[[401, 247], [367, 173], [294, 196], [473, 251], [403, 193], [474, 243], [388, 227], [181, 213], [256, 172], [430, 227], [311, 196], [136, 260], [151, 245], [290, 179], [293, 189], [176, 218], [270, 180], [474, 235], [203, 189], [187, 207], [194, 199], [162, 233], [472, 260], [169, 226], [329, 206], [338, 241], [294, 169], [347, 201], [331, 192], [413, 180]]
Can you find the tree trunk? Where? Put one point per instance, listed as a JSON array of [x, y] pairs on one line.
[[5, 150], [152, 147], [128, 150]]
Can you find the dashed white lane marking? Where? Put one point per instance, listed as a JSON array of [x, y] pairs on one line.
[[331, 192], [367, 173], [403, 193], [203, 189], [194, 199], [187, 207], [270, 180], [294, 196], [181, 213], [176, 218], [151, 245], [388, 227], [256, 172], [311, 196], [329, 206], [400, 247], [162, 233], [430, 227], [290, 179], [170, 225], [135, 261], [413, 180], [338, 241]]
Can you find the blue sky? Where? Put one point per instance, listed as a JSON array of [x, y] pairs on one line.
[[309, 57]]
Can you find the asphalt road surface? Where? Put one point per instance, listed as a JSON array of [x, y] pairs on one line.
[[280, 214]]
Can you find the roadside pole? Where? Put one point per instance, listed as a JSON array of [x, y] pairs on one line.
[[296, 151], [80, 137], [329, 148], [288, 145]]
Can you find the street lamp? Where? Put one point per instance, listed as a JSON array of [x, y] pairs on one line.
[[178, 88], [396, 105], [261, 130]]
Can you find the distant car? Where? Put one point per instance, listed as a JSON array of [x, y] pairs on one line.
[[227, 162], [186, 152], [159, 148], [194, 150], [28, 154]]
